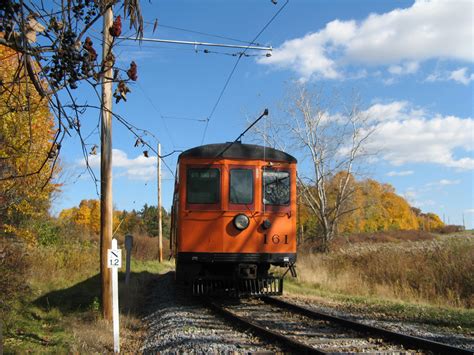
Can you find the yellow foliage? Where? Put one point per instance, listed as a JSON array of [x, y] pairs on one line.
[[26, 133], [429, 221], [87, 217], [373, 207]]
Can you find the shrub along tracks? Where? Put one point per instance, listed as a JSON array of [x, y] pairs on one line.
[[303, 330]]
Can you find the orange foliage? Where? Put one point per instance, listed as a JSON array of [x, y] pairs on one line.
[[26, 133], [373, 207], [87, 217]]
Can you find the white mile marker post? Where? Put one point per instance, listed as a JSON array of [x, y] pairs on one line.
[[115, 262]]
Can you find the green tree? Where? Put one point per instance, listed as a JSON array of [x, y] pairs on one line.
[[149, 216]]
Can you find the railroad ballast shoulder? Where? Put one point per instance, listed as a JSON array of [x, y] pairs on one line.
[[233, 216]]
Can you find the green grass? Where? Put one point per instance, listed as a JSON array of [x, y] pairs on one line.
[[150, 266], [32, 329], [461, 319], [61, 311]]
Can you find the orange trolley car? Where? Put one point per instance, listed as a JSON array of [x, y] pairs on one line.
[[233, 216]]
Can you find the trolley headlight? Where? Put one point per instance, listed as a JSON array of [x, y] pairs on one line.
[[241, 222]]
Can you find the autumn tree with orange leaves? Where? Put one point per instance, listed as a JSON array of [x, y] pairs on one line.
[[27, 162], [375, 207]]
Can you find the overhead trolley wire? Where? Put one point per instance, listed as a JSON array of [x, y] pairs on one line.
[[185, 118], [203, 33], [229, 77]]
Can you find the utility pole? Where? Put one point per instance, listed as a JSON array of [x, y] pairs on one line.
[[106, 207], [160, 226]]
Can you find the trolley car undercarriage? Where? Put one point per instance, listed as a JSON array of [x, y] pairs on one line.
[[232, 274]]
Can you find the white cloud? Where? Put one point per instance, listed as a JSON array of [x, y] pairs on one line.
[[449, 182], [444, 182], [306, 55], [404, 68], [138, 168], [469, 210], [459, 75], [401, 38], [400, 173], [414, 198], [407, 135], [395, 110]]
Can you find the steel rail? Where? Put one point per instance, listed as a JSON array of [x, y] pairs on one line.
[[403, 339], [300, 347]]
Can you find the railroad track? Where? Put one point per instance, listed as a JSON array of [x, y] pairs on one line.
[[307, 331]]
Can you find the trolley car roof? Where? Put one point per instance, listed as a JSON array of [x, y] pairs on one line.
[[237, 151]]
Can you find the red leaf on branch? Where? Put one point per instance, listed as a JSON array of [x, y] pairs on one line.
[[116, 28], [132, 72], [88, 47]]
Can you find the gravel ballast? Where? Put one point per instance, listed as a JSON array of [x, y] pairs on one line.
[[426, 331], [177, 323]]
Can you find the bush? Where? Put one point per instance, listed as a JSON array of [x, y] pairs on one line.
[[13, 268], [450, 228], [48, 232], [146, 248]]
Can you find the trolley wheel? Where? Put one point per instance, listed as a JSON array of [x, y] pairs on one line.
[[186, 273]]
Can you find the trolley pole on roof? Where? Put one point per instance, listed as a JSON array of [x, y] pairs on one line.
[[160, 229], [106, 206]]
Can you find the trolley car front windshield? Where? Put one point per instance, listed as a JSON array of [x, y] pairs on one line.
[[241, 186], [203, 185], [276, 187]]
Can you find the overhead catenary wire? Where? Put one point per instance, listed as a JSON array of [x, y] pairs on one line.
[[195, 50], [229, 77], [185, 118], [197, 43], [203, 33]]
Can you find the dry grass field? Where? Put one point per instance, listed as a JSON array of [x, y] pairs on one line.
[[438, 271]]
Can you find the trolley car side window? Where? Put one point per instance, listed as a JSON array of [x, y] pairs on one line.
[[241, 186], [276, 187], [203, 185]]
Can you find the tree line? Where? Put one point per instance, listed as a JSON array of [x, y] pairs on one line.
[[372, 207], [86, 219]]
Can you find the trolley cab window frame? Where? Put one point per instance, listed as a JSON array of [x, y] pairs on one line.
[[234, 206], [212, 204], [282, 207]]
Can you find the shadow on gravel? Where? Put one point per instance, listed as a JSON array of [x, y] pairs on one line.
[[85, 295]]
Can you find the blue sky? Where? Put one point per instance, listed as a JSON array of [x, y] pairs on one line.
[[411, 63]]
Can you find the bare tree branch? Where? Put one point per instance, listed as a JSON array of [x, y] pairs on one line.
[[333, 141]]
